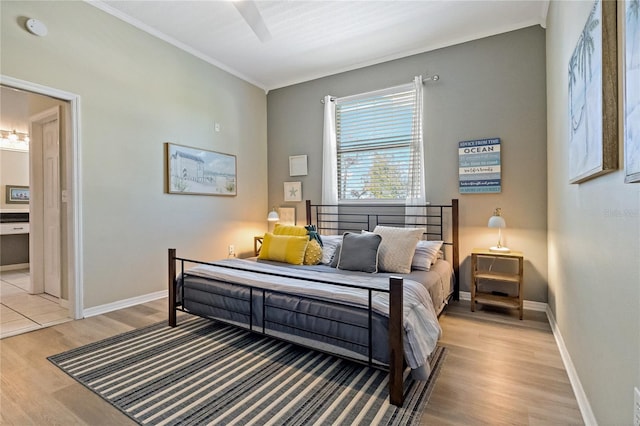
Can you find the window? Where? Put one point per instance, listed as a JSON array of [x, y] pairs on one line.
[[376, 137]]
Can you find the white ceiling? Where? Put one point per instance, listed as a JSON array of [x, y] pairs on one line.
[[305, 40]]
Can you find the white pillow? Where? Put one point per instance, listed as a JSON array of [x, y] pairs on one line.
[[329, 245], [426, 254], [397, 248]]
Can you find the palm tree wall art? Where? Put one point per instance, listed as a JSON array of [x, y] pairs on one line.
[[632, 91], [593, 96]]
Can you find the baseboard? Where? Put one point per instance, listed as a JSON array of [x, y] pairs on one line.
[[126, 303], [64, 303], [581, 397], [578, 390], [529, 305], [14, 267]]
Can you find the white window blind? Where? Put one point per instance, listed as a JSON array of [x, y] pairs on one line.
[[374, 133]]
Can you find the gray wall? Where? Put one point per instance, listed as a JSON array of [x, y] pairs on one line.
[[493, 87], [594, 248], [136, 93]]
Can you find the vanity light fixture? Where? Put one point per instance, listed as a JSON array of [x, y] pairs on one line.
[[14, 141]]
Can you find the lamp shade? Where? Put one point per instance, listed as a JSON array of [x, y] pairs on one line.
[[497, 221], [273, 216]]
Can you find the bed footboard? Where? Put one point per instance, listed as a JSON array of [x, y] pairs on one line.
[[396, 350], [395, 327], [172, 287]]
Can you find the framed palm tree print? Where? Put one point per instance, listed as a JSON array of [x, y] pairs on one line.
[[631, 79], [593, 89]]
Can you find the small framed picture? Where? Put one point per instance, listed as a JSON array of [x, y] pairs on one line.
[[298, 165], [287, 215], [17, 194], [292, 191]]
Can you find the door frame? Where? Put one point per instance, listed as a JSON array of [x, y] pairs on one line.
[[72, 193]]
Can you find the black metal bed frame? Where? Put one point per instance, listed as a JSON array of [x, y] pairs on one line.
[[356, 217], [263, 292], [395, 291]]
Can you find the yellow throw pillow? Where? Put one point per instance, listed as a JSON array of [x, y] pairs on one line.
[[289, 230], [313, 255], [284, 248]]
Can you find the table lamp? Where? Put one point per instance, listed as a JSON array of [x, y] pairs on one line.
[[273, 216], [497, 221]]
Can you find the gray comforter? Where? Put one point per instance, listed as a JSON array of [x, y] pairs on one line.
[[421, 326]]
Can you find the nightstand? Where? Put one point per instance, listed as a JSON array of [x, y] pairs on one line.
[[478, 272], [257, 244]]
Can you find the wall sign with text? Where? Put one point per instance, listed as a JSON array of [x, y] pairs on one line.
[[479, 166]]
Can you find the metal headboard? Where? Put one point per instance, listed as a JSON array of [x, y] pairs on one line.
[[440, 222]]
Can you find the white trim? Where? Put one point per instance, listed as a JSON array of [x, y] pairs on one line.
[[540, 20], [126, 303], [64, 303], [583, 402], [529, 305], [581, 397], [164, 37], [544, 13], [404, 54], [74, 235], [14, 266], [76, 262]]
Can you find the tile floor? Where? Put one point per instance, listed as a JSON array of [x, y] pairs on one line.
[[20, 311]]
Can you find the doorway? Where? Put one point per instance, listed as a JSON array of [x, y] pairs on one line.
[[55, 254]]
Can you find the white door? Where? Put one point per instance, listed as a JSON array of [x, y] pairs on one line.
[[51, 194]]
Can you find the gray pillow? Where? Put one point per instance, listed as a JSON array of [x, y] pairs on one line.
[[359, 252]]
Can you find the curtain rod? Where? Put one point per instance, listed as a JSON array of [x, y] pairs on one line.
[[434, 77]]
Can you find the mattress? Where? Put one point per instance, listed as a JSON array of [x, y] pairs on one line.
[[320, 315]]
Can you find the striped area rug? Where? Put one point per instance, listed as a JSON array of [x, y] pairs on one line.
[[205, 372]]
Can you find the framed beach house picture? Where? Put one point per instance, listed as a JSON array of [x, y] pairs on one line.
[[199, 171]]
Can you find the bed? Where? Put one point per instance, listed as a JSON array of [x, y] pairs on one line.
[[387, 320]]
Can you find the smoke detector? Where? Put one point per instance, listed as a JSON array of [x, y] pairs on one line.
[[36, 27]]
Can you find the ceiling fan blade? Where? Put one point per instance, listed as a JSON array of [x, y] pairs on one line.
[[251, 15]]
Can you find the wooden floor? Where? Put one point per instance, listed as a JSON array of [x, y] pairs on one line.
[[499, 370]]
